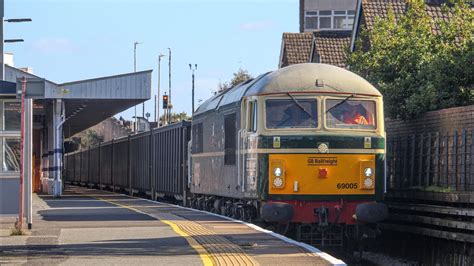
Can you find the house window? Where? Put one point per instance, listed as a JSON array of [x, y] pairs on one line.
[[329, 19], [325, 19], [230, 139], [339, 19], [311, 20], [350, 18]]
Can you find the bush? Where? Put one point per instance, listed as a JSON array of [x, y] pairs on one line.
[[415, 67]]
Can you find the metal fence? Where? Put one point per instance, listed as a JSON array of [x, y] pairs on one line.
[[431, 160], [151, 162]]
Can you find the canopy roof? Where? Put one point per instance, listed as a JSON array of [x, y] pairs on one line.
[[88, 102]]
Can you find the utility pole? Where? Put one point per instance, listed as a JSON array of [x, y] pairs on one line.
[[135, 127], [169, 88], [192, 94], [157, 103]]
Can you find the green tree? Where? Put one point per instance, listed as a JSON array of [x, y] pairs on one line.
[[91, 138], [176, 117], [419, 63], [240, 76]]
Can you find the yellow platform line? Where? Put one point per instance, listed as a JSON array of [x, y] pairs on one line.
[[206, 259], [203, 254]]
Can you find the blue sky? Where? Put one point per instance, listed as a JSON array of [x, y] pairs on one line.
[[72, 40]]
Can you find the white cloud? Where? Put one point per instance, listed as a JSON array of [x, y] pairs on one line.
[[54, 45], [259, 25]]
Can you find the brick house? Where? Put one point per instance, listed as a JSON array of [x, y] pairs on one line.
[[329, 44], [324, 37], [328, 47]]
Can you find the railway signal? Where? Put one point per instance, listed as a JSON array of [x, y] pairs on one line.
[[165, 101]]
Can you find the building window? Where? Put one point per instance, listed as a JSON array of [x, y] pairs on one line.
[[325, 19], [339, 19], [11, 154], [311, 20], [11, 115], [329, 19]]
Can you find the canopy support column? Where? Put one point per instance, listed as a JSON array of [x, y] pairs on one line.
[[58, 121]]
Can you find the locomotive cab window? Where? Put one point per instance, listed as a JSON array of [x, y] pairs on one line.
[[252, 125], [351, 114], [291, 113]]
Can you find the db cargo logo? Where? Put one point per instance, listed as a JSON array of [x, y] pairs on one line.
[[315, 161]]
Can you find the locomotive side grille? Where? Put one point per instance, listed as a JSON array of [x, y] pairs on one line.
[[230, 139]]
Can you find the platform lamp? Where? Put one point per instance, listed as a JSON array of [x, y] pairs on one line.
[[2, 40], [157, 100], [135, 70]]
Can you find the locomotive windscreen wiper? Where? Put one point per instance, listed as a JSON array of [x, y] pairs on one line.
[[341, 102], [299, 105]]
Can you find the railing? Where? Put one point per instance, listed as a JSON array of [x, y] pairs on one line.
[[432, 161]]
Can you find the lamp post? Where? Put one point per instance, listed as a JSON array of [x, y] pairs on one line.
[[169, 86], [157, 100], [135, 70], [13, 40], [2, 40], [192, 94]]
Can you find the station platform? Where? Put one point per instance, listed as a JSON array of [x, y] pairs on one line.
[[88, 226]]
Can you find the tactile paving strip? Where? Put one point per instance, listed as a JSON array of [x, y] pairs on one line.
[[221, 250]]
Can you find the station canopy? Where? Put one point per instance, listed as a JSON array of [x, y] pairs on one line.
[[87, 102]]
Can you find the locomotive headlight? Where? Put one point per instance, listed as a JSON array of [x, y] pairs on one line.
[[368, 182], [368, 172], [367, 175], [278, 182], [277, 171]]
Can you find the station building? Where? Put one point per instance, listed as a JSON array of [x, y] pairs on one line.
[[52, 113]]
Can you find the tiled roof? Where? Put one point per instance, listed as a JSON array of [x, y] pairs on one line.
[[330, 47], [371, 9], [434, 11], [296, 48]]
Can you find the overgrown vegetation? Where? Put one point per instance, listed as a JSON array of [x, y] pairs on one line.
[[240, 76], [417, 68], [176, 117], [91, 138], [17, 232]]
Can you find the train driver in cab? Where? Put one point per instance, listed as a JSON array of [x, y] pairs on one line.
[[353, 116]]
